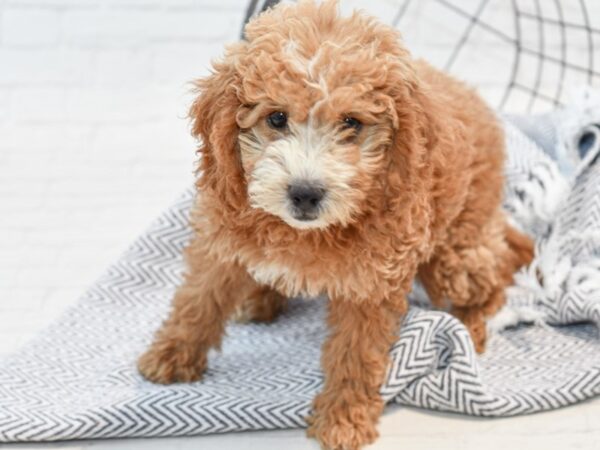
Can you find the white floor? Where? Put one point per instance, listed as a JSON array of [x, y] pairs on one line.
[[94, 143]]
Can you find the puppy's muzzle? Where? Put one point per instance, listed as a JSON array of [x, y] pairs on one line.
[[305, 198]]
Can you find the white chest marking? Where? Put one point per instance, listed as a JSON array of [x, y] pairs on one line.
[[271, 274]]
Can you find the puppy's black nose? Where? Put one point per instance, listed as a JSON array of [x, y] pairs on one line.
[[305, 197]]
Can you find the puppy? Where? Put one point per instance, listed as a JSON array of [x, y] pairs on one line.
[[332, 162]]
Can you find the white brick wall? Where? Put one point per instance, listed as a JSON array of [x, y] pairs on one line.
[[93, 136], [30, 27]]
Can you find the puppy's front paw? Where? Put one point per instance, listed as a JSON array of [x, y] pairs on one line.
[[168, 362], [342, 427]]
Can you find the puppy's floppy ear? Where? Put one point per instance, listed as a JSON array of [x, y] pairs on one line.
[[418, 124], [426, 153], [416, 120], [213, 115]]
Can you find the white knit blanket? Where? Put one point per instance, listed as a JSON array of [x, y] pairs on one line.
[[78, 378]]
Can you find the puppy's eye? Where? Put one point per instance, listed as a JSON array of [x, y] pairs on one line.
[[277, 120], [351, 122]]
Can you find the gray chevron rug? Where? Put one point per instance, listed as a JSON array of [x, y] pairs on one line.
[[78, 379]]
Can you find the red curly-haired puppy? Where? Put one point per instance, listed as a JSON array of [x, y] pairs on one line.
[[333, 162]]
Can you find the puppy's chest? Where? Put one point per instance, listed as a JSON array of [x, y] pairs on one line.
[[347, 277], [276, 275], [305, 277]]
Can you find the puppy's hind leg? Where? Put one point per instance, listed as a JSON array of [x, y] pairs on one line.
[[201, 308], [471, 272]]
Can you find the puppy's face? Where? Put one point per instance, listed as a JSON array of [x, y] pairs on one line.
[[312, 161]]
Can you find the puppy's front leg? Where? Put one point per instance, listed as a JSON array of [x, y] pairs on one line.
[[200, 310], [354, 360]]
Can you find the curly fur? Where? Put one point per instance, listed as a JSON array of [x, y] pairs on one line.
[[416, 193]]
